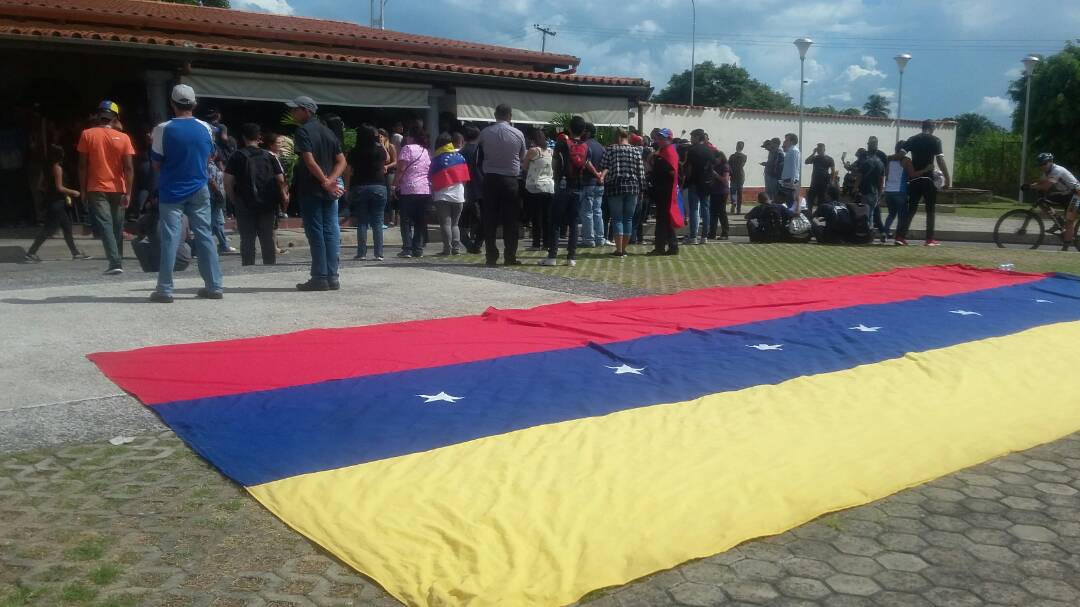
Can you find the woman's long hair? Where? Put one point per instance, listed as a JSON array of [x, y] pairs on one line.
[[367, 137], [418, 135]]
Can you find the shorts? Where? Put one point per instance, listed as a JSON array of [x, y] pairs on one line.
[[1074, 204]]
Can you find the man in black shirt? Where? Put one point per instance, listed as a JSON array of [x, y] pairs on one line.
[[256, 185], [774, 167], [925, 151], [871, 174], [820, 178], [698, 184], [317, 189], [737, 164]]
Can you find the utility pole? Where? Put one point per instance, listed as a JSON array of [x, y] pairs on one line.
[[378, 14], [544, 33]]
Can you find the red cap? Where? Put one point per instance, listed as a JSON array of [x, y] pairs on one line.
[[636, 139]]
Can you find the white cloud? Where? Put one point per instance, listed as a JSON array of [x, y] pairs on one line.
[[1014, 73], [647, 26], [886, 93], [277, 7], [869, 62], [996, 107], [844, 97], [854, 72]]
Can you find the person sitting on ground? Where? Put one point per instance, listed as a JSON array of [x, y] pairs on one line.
[[57, 199], [765, 222]]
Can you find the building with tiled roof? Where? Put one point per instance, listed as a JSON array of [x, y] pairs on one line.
[[256, 57]]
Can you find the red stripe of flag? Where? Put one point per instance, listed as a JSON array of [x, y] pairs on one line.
[[170, 373]]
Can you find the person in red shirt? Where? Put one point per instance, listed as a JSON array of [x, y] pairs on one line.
[[106, 178]]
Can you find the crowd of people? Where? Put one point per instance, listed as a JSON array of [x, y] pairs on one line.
[[476, 183]]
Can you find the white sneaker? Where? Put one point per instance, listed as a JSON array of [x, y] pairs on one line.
[[114, 271], [609, 243], [702, 240], [548, 261], [571, 262]]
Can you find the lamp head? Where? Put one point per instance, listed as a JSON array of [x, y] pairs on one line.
[[803, 44], [1029, 63], [902, 61]]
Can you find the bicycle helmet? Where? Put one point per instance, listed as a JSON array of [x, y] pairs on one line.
[[1045, 157]]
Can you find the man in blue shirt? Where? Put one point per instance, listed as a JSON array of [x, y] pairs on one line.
[[789, 175], [180, 151]]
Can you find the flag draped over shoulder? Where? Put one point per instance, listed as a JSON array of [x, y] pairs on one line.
[[447, 168], [527, 457], [671, 156]]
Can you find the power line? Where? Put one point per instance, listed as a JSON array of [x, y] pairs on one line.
[[544, 33]]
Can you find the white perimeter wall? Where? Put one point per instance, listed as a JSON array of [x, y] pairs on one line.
[[726, 126]]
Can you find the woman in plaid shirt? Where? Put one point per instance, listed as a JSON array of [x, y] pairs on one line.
[[624, 177]]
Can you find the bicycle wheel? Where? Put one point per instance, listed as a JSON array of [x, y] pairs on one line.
[[1019, 229]]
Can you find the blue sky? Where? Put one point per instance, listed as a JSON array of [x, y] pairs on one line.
[[965, 52]]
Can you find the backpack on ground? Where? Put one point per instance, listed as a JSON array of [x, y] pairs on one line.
[[258, 187], [831, 223], [579, 156], [860, 223]]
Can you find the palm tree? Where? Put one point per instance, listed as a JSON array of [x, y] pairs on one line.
[[876, 106]]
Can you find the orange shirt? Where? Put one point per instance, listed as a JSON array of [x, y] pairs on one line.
[[105, 150]]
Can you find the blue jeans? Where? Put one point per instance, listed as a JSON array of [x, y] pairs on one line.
[[368, 206], [697, 203], [323, 234], [622, 213], [897, 203], [218, 224], [197, 209], [592, 215]]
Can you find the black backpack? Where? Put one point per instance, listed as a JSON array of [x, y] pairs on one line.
[[258, 186], [860, 223], [832, 223]]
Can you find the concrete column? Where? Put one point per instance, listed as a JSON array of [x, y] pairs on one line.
[[157, 94], [432, 119]]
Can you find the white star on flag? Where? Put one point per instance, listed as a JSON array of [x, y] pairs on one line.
[[625, 368], [441, 396], [764, 347], [864, 329], [964, 313], [1043, 301]]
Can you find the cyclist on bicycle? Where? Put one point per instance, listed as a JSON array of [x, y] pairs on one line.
[[1060, 187]]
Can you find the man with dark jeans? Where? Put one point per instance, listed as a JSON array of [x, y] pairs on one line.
[[256, 185], [501, 149], [925, 151], [106, 179], [698, 186], [737, 162], [474, 192], [321, 164], [821, 177]]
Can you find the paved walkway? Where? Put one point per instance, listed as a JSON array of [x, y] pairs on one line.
[[147, 522]]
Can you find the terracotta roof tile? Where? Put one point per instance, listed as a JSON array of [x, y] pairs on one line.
[[46, 29], [170, 17]]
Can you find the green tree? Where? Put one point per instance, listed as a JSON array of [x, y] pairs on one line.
[[971, 125], [1055, 115], [829, 109], [212, 3], [726, 85], [876, 106]]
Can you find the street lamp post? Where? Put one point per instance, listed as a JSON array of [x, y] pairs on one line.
[[693, 47], [802, 44], [1029, 66], [901, 62]]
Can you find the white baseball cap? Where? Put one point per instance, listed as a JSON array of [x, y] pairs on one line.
[[183, 94]]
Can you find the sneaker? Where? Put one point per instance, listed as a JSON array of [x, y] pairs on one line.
[[722, 237], [933, 243], [654, 253], [313, 285], [360, 257], [455, 252], [548, 261], [608, 243], [702, 240], [513, 262], [1053, 229], [900, 241], [208, 294], [227, 250], [404, 255], [80, 255], [114, 271], [159, 297], [571, 262], [31, 258], [378, 258], [333, 285]]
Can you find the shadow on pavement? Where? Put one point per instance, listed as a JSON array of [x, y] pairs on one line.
[[12, 254], [70, 299]]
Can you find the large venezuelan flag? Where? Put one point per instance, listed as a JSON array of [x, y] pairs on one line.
[[527, 457]]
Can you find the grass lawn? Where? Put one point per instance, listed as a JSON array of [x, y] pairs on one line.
[[993, 209], [744, 263]]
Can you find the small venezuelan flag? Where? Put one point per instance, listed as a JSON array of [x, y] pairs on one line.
[[527, 457]]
